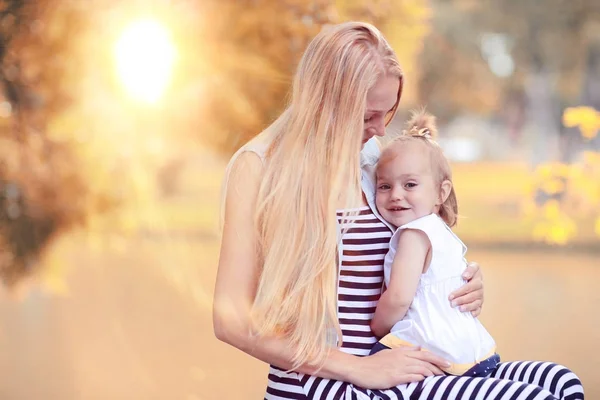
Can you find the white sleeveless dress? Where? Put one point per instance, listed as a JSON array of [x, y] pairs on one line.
[[431, 322]]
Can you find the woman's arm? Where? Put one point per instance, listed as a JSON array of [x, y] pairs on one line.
[[408, 265], [237, 280]]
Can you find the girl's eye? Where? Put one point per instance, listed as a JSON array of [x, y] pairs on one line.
[[411, 185], [383, 187]]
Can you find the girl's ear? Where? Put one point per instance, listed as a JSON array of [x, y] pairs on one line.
[[444, 192]]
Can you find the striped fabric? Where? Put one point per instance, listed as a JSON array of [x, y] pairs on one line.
[[365, 244]]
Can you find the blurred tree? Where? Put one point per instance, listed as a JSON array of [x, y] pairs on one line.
[[454, 77], [43, 190], [251, 49], [492, 54]]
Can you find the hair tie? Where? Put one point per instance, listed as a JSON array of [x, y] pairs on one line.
[[415, 132]]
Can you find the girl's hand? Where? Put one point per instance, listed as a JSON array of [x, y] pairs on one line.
[[470, 296], [394, 367]]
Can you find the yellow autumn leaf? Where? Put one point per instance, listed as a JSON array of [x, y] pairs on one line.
[[586, 118], [591, 158], [558, 235], [539, 231], [544, 171], [562, 231], [562, 170], [589, 131], [553, 186], [552, 210], [572, 115], [576, 172]]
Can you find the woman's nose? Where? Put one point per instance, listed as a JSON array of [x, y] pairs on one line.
[[380, 128]]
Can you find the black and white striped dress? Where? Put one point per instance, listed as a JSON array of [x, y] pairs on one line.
[[365, 245]]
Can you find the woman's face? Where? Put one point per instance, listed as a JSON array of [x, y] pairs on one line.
[[380, 102]]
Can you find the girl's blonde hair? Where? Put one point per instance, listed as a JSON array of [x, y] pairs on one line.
[[422, 128], [312, 165]]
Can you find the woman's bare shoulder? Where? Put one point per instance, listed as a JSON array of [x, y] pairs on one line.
[[247, 168]]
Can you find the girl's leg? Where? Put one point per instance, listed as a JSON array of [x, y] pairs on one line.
[[558, 380]]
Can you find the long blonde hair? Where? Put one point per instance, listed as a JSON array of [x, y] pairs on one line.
[[312, 165]]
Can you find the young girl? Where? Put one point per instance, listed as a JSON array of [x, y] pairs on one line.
[[425, 262]]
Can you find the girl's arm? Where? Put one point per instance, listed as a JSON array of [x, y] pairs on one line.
[[237, 279], [408, 265]]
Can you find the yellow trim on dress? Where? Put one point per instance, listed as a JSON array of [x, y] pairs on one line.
[[392, 342]]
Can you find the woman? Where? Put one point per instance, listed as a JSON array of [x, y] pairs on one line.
[[300, 270]]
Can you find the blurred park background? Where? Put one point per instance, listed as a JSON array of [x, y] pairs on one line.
[[117, 119]]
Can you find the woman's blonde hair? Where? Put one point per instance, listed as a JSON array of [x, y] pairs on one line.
[[312, 165], [422, 128]]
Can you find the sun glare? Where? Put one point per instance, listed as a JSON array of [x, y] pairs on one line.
[[144, 56]]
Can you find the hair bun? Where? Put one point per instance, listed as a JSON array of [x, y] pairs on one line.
[[421, 124]]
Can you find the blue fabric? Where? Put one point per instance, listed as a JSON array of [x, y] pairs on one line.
[[484, 368]]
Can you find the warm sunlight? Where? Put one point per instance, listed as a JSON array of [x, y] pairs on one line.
[[144, 58]]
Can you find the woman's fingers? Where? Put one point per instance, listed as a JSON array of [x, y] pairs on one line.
[[469, 302], [472, 306], [428, 367], [474, 285], [411, 378], [469, 297], [432, 362], [418, 370], [473, 269], [476, 312]]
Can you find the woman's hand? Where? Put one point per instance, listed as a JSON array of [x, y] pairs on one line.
[[394, 367], [470, 296]]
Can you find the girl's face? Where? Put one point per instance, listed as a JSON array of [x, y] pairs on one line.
[[406, 185], [381, 99]]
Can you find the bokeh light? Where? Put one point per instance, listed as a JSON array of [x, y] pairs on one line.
[[144, 57]]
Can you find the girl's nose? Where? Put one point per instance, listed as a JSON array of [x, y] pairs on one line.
[[397, 194]]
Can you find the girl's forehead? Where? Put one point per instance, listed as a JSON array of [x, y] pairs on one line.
[[412, 151], [406, 161]]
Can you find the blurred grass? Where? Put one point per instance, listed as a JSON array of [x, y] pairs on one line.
[[491, 205]]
